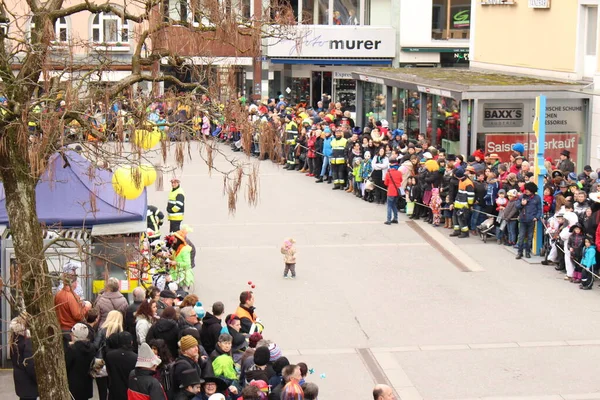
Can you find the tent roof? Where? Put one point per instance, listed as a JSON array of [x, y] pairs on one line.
[[68, 189]]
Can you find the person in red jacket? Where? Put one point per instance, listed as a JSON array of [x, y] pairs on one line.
[[393, 180]]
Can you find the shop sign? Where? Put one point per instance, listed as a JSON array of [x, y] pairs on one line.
[[539, 3], [497, 2], [461, 19], [501, 144], [370, 79], [335, 41], [342, 75], [439, 92], [564, 115], [503, 115]]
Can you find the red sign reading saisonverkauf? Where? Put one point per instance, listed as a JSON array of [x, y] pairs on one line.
[[501, 144]]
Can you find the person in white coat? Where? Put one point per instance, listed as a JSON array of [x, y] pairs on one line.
[[145, 316], [380, 165]]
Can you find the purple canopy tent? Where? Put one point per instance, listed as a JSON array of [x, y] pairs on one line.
[[67, 192]]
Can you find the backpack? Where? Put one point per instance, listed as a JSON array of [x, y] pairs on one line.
[[167, 381]]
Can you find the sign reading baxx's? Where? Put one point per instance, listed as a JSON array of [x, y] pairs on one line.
[[496, 115]]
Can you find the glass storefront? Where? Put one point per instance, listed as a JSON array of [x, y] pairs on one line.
[[373, 101], [443, 122], [345, 93], [300, 91]]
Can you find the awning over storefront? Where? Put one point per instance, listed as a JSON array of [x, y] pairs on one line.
[[332, 61]]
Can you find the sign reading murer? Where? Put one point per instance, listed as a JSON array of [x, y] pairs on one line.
[[335, 41]]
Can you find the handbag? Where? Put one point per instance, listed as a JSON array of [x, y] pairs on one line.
[[98, 368], [410, 207], [427, 197], [369, 184]]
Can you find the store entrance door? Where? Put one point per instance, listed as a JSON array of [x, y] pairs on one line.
[[322, 82]]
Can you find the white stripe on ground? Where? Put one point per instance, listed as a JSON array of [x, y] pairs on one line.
[[451, 347], [299, 223], [317, 246], [455, 250]]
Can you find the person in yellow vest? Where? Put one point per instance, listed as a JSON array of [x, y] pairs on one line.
[[338, 159], [291, 137], [175, 206], [245, 312], [463, 201]]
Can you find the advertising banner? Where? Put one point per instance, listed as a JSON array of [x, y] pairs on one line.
[[335, 41], [501, 144]]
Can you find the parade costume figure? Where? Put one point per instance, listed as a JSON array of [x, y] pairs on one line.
[[436, 206], [181, 264]]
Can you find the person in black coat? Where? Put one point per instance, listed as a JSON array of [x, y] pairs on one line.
[[119, 364], [22, 360], [211, 328], [139, 295], [79, 355], [166, 329]]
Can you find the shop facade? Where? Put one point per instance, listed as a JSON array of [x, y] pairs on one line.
[[320, 60], [464, 117]]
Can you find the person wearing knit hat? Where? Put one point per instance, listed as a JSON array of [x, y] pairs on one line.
[[274, 352], [80, 354], [258, 370], [530, 211], [187, 342], [142, 383]]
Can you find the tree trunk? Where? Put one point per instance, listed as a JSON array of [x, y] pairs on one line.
[[36, 286]]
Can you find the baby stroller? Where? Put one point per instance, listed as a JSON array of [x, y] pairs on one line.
[[487, 229]]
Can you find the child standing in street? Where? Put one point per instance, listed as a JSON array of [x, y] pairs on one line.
[[589, 264], [289, 257]]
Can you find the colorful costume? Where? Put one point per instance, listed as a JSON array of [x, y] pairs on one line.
[[436, 205], [182, 271]]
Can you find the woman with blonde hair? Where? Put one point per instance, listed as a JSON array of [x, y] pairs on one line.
[[113, 324]]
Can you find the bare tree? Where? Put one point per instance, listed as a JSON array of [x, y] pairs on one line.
[[52, 84]]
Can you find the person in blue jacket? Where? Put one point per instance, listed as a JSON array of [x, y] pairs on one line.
[[327, 151], [589, 263], [530, 211]]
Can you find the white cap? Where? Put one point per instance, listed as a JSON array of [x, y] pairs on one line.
[[427, 155], [384, 123]]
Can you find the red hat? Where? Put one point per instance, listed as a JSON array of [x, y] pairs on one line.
[[479, 153]]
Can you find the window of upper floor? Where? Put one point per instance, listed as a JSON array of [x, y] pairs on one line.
[[62, 31], [325, 12], [110, 30], [204, 12], [451, 19]]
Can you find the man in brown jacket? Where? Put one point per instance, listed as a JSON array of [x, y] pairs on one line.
[[69, 308]]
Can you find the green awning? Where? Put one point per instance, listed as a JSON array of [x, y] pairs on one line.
[[435, 49]]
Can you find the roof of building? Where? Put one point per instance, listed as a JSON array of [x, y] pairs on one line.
[[459, 82]]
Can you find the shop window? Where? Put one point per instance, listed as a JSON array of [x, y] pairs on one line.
[[451, 19], [443, 122], [345, 93], [109, 28], [374, 102]]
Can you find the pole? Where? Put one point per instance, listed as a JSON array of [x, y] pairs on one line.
[[448, 12], [539, 127], [257, 59]]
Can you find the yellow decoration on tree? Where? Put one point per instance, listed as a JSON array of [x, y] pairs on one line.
[[148, 174], [124, 183], [146, 139]]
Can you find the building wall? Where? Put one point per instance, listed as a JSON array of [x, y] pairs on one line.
[[521, 37]]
